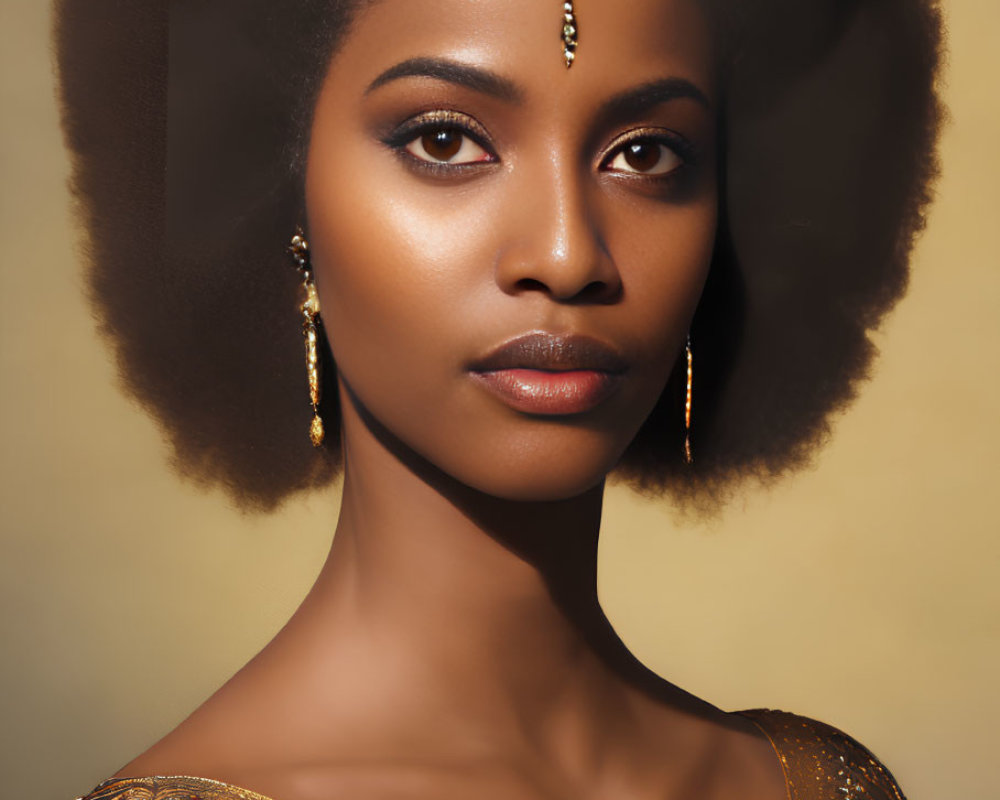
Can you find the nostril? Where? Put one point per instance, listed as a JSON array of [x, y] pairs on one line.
[[596, 290], [531, 285], [599, 292]]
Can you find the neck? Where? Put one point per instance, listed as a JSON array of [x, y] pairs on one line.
[[470, 606], [459, 576]]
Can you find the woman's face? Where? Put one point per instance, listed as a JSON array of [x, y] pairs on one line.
[[509, 252]]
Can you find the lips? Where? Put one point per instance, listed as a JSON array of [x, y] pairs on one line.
[[551, 374]]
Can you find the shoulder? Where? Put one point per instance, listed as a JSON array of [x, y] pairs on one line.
[[821, 762], [169, 788]]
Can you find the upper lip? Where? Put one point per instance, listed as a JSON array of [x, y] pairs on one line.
[[552, 352]]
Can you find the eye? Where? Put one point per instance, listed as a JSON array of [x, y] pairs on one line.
[[649, 152], [447, 145], [644, 157]]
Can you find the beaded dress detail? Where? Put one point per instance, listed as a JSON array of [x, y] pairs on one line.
[[823, 763], [169, 788]]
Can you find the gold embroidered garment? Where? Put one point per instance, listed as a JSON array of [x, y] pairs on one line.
[[819, 763], [169, 788], [822, 763]]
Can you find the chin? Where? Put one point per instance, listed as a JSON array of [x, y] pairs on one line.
[[551, 492], [497, 452], [537, 469], [546, 488]]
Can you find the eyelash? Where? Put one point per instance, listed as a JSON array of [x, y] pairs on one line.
[[434, 121], [684, 150]]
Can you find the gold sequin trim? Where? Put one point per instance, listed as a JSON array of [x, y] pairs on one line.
[[169, 788], [823, 763]]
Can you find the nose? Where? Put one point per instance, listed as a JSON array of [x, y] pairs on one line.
[[555, 244]]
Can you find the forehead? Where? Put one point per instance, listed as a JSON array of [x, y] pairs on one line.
[[621, 42]]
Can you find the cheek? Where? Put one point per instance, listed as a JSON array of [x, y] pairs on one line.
[[396, 271], [389, 250], [405, 286]]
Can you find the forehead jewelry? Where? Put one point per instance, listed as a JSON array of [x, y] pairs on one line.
[[299, 248], [569, 33]]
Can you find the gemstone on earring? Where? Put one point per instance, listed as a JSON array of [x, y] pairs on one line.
[[316, 431], [311, 304]]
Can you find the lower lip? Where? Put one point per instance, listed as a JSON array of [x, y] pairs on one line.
[[538, 392]]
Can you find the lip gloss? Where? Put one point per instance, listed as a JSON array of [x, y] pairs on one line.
[[536, 391]]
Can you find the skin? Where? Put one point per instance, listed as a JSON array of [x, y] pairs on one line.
[[453, 644]]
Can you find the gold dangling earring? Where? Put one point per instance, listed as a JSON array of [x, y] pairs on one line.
[[310, 311], [688, 459]]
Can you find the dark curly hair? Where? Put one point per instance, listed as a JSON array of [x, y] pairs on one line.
[[189, 189]]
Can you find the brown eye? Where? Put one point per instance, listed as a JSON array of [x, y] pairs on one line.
[[447, 146], [442, 145], [642, 156], [645, 157]]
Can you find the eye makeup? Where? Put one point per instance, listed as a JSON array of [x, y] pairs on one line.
[[634, 145], [446, 143], [437, 132]]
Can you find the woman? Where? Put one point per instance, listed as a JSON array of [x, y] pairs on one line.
[[519, 248]]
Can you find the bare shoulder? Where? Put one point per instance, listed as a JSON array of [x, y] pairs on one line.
[[821, 762], [169, 788]]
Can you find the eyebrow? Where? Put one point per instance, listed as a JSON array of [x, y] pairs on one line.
[[631, 102], [634, 102], [475, 78]]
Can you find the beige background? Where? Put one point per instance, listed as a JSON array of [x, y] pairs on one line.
[[864, 592]]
